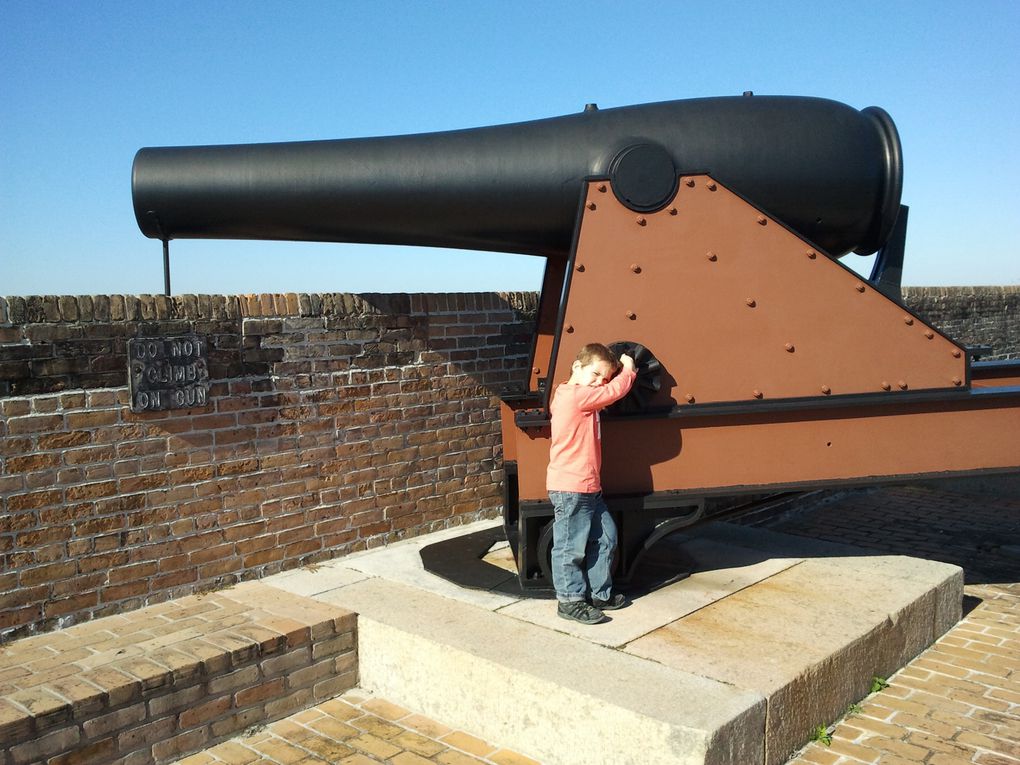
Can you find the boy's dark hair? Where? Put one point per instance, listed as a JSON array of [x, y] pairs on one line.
[[597, 352]]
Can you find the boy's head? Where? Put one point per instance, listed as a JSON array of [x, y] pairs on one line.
[[595, 365]]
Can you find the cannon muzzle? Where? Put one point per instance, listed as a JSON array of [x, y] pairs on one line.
[[831, 173]]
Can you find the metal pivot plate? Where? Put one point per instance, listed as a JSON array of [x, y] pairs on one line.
[[643, 177]]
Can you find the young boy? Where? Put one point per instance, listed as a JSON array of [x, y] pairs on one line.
[[584, 535]]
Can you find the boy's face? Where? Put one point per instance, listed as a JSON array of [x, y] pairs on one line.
[[593, 374]]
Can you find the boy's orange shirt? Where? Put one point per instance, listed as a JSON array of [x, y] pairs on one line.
[[575, 454]]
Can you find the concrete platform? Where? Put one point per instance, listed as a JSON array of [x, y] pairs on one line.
[[771, 636]]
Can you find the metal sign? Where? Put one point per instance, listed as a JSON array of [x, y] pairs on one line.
[[168, 372]]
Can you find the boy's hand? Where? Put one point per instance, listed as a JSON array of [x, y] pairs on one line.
[[628, 362]]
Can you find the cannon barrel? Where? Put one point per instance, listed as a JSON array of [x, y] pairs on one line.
[[830, 172]]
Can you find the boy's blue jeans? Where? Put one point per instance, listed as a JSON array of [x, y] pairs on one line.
[[584, 539]]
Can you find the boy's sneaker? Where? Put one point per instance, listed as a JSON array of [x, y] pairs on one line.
[[580, 611], [616, 601]]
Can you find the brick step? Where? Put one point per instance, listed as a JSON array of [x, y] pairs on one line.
[[172, 678]]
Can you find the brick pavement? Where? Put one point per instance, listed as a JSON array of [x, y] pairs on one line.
[[959, 701], [357, 729]]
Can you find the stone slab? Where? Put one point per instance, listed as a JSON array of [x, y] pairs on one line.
[[811, 638], [552, 696]]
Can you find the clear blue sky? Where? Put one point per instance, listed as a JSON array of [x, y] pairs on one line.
[[84, 85]]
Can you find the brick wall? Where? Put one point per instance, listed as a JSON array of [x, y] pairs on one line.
[[335, 422], [972, 315]]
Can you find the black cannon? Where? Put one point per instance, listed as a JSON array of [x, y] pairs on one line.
[[828, 171], [695, 231]]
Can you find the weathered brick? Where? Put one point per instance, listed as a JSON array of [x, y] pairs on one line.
[[91, 490], [294, 701], [308, 676], [182, 743], [259, 693], [47, 573], [75, 604], [334, 645], [35, 424], [45, 746], [201, 714], [38, 537], [238, 721], [241, 678], [64, 440], [124, 591], [146, 735], [114, 721], [92, 526], [15, 407], [280, 665], [35, 461], [103, 750]]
